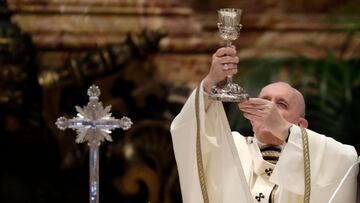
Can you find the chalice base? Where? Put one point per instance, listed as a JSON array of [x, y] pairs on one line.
[[231, 92]]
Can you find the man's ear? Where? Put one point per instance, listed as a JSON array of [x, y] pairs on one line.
[[303, 123]]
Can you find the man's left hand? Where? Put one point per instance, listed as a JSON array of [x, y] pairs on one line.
[[267, 114]]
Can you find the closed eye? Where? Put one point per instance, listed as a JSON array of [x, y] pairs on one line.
[[282, 104]]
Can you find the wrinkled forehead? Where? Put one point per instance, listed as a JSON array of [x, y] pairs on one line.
[[277, 90], [283, 91]]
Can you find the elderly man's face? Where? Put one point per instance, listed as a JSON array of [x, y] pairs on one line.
[[288, 103]]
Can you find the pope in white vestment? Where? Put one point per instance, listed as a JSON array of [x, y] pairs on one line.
[[261, 177]]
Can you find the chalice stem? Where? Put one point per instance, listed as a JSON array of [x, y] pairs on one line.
[[229, 78], [228, 43], [94, 172]]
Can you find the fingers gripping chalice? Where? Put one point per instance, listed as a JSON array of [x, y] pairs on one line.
[[229, 28]]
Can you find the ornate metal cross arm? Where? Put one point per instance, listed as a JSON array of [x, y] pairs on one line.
[[93, 125]]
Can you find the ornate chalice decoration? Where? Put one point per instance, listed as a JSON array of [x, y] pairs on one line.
[[93, 125], [229, 28]]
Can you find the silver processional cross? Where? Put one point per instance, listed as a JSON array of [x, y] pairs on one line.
[[93, 125]]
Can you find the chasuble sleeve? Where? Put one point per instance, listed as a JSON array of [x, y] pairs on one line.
[[329, 161], [183, 131], [224, 184]]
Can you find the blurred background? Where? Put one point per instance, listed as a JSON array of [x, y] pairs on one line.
[[147, 56]]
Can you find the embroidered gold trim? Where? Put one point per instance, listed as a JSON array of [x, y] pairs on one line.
[[307, 173], [272, 194], [272, 161], [199, 159], [270, 153]]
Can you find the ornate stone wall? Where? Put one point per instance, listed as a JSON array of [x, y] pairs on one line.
[[61, 29]]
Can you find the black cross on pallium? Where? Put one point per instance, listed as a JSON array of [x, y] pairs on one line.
[[268, 171], [258, 198]]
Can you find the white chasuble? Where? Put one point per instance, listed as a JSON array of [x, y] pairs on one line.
[[259, 180]]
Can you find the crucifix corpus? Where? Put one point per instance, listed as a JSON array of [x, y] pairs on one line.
[[93, 125]]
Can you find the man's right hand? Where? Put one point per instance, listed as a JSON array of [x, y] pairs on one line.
[[218, 70]]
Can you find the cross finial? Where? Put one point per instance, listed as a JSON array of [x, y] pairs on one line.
[[93, 91], [93, 122]]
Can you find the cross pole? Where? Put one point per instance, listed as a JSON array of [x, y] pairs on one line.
[[93, 125]]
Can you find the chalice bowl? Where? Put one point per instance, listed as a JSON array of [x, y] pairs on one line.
[[229, 28]]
